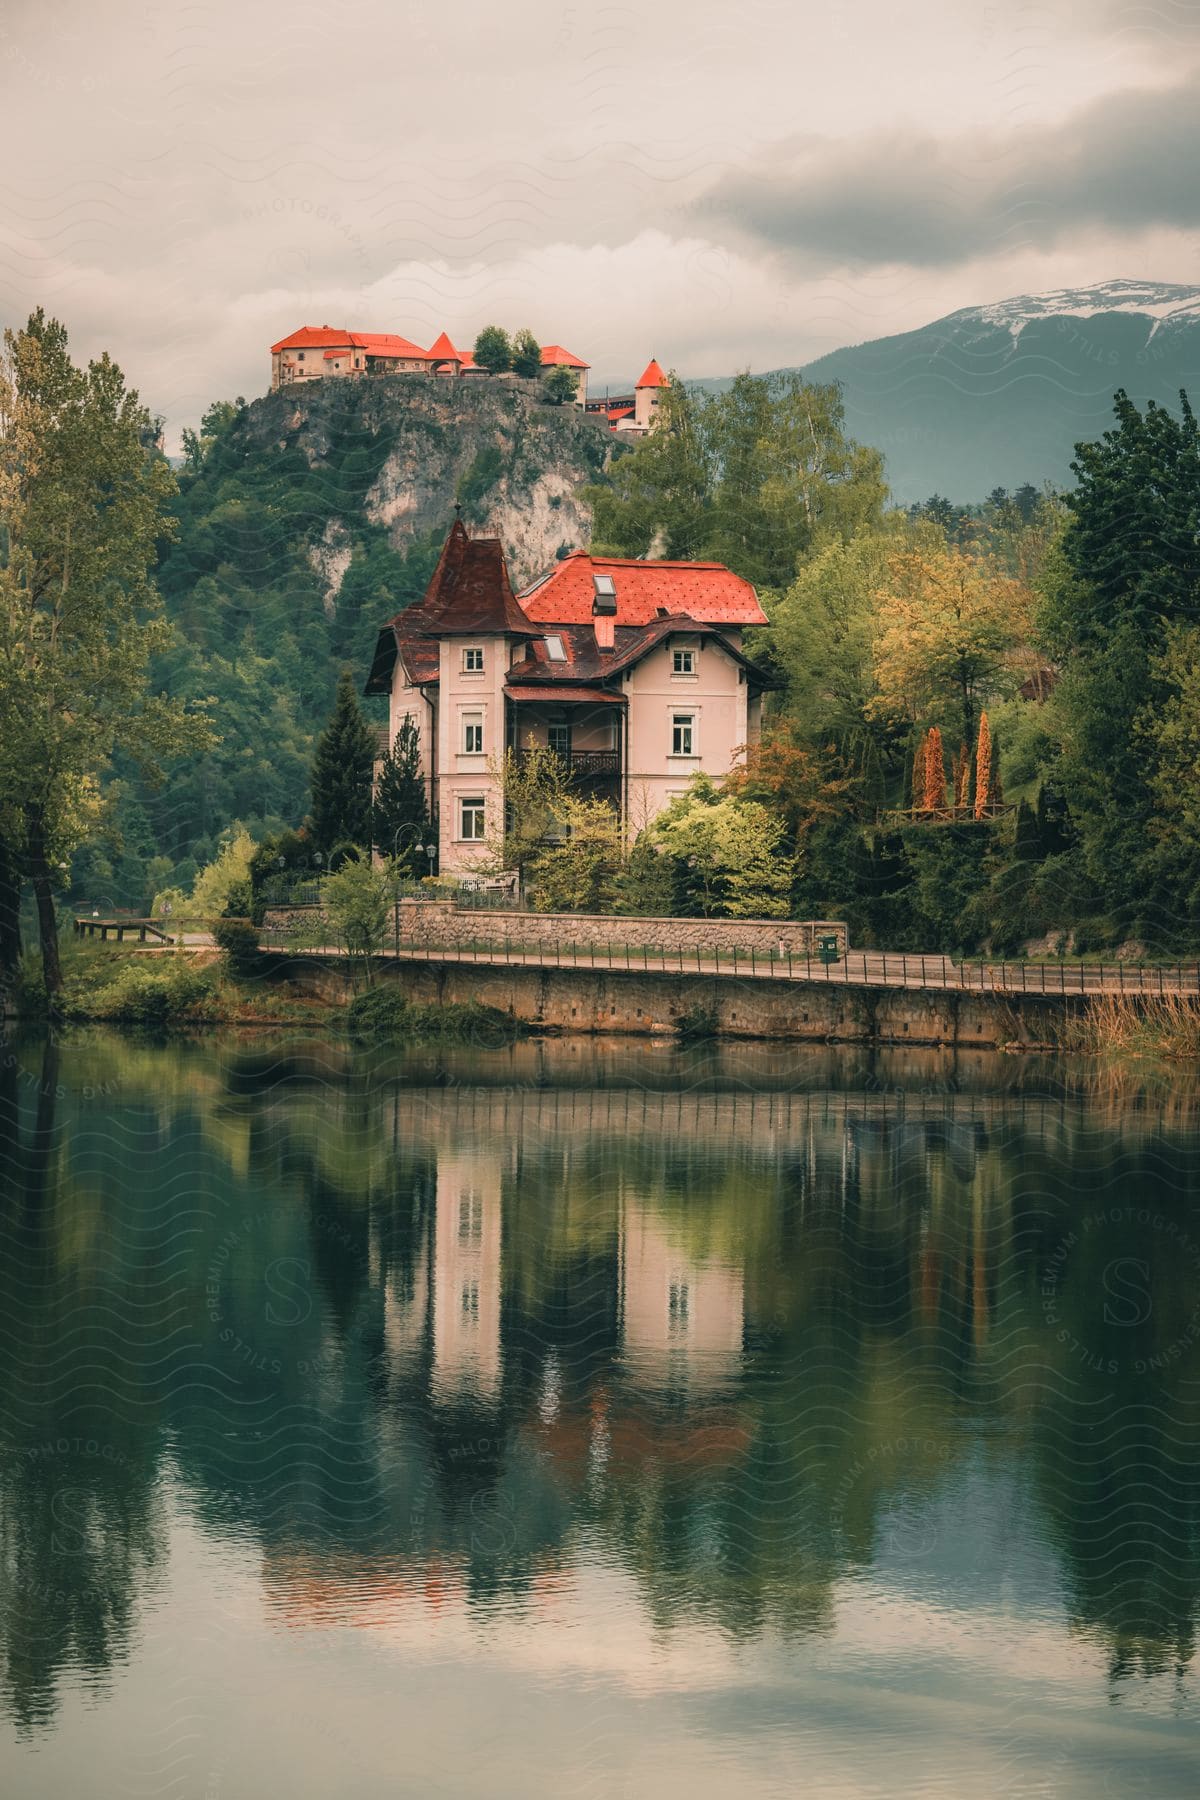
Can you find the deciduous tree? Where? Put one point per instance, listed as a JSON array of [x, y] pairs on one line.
[[526, 354], [493, 351], [83, 507]]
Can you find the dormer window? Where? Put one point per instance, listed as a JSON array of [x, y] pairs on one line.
[[604, 594], [473, 659], [555, 649], [683, 662]]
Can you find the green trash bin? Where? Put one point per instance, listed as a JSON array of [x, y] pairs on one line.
[[827, 948]]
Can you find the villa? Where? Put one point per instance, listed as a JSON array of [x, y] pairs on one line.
[[632, 671]]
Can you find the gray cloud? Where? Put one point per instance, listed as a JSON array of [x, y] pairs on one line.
[[1125, 163]]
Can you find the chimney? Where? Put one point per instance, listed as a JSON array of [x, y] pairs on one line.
[[604, 611]]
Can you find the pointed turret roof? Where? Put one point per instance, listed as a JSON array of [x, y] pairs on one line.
[[652, 376], [442, 350], [470, 591]]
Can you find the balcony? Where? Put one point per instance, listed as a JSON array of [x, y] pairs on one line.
[[587, 765]]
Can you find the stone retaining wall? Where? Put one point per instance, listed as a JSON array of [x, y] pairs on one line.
[[586, 1000], [439, 923]]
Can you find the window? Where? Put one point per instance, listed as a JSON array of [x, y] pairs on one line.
[[683, 662], [472, 734], [554, 649], [300, 356], [473, 659], [470, 819], [558, 737], [604, 594], [683, 734]]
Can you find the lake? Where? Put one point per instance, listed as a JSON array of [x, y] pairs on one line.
[[584, 1418]]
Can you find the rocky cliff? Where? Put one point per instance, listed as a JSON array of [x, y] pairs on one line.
[[399, 451]]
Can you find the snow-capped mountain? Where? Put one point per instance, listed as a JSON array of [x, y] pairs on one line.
[[998, 394], [1166, 303]]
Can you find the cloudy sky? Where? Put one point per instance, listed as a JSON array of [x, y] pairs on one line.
[[719, 186]]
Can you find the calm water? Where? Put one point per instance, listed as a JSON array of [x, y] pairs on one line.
[[591, 1420]]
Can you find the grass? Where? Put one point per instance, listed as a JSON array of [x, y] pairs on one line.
[[1145, 1025]]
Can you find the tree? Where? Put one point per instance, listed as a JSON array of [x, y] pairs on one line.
[[560, 384], [536, 784], [933, 773], [493, 351], [341, 775], [793, 779], [526, 355], [213, 425], [580, 874], [358, 898], [83, 509], [947, 633], [1126, 574], [400, 818], [755, 477], [983, 768], [734, 850]]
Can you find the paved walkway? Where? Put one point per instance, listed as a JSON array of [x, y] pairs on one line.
[[859, 968]]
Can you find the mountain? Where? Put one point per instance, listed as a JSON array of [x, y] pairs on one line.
[[995, 395]]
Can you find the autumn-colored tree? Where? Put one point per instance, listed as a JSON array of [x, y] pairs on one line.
[[796, 781], [962, 778], [983, 767], [949, 629], [933, 773]]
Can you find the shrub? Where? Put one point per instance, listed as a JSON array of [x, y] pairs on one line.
[[238, 938], [698, 1025], [157, 996], [383, 1012]]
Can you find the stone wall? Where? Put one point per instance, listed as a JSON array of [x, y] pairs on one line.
[[439, 923], [602, 1000]]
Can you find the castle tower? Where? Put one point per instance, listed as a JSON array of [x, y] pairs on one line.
[[647, 394]]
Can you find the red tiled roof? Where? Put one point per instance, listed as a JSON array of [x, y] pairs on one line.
[[313, 337], [652, 376], [592, 696], [442, 350], [386, 343], [619, 412], [553, 354], [706, 591]]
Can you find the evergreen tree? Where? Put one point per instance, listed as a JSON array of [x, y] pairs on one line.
[[400, 819], [526, 355], [1128, 571], [341, 775]]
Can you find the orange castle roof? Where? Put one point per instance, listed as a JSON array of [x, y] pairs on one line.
[[554, 354], [652, 376]]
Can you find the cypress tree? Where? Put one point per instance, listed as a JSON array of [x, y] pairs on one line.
[[400, 819], [341, 775], [983, 768]]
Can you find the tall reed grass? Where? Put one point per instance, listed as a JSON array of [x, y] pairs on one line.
[[1157, 1025]]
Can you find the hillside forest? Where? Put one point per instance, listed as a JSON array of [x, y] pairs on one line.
[[985, 723]]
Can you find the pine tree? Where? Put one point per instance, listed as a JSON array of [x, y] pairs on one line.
[[400, 820], [933, 786], [983, 767], [341, 775]]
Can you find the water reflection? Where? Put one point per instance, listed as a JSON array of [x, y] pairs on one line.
[[442, 1337]]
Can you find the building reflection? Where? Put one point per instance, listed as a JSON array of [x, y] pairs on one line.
[[717, 1340]]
